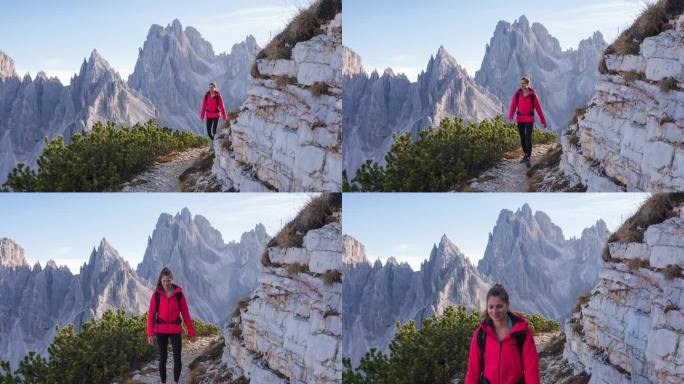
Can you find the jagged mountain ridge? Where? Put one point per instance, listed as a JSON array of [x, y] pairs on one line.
[[377, 295], [213, 275], [376, 106], [172, 73], [31, 109], [563, 80], [175, 66]]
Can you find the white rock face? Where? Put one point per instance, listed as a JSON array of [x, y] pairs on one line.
[[6, 66], [286, 138], [291, 329], [175, 66], [632, 328], [631, 137], [563, 80], [377, 106], [32, 109], [34, 299]]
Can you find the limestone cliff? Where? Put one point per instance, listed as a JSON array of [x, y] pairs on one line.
[[289, 329], [630, 329], [288, 133], [631, 135]]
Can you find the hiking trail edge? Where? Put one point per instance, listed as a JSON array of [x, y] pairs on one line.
[[164, 176], [508, 174]]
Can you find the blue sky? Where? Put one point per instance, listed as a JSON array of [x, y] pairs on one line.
[[65, 227], [55, 36], [402, 34], [406, 225]]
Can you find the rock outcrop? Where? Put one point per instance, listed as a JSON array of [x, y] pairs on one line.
[[377, 106], [288, 133], [529, 254], [214, 275], [289, 329], [630, 137], [631, 328], [563, 80], [36, 299], [175, 67], [31, 109]]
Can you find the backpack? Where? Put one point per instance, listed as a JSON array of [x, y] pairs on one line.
[[520, 337], [179, 295], [216, 96], [517, 103]]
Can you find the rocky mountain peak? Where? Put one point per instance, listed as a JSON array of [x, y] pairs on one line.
[[522, 23], [11, 254], [105, 258], [6, 66], [351, 63]]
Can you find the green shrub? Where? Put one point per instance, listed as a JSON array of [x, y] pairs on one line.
[[441, 159], [540, 324], [103, 350], [100, 160]]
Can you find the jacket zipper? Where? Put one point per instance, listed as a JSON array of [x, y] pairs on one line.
[[500, 382]]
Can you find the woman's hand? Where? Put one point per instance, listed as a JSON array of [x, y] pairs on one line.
[[149, 340]]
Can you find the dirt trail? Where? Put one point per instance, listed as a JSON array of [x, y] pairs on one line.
[[509, 175], [164, 176], [150, 372]]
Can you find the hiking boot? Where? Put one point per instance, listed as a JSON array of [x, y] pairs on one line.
[[524, 159], [527, 162]]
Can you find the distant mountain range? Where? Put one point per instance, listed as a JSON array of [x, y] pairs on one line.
[[214, 275], [542, 270], [172, 73], [375, 106]]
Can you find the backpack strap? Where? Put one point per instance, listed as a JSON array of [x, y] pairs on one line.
[[156, 305], [517, 102], [206, 97], [520, 338], [481, 341]]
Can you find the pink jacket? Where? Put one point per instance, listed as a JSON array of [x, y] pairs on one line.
[[209, 105], [526, 107], [503, 364], [169, 312]]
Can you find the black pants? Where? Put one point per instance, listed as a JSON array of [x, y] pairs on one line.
[[212, 123], [525, 131], [163, 341]]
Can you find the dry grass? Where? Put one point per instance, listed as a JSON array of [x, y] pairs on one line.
[[241, 304], [165, 158], [672, 271], [265, 259], [655, 210], [579, 113], [212, 353], [635, 264], [320, 88], [582, 378], [554, 347], [653, 20], [304, 26], [666, 119], [331, 277], [668, 84], [581, 301], [296, 268], [283, 81], [203, 164], [317, 213], [550, 159], [633, 76]]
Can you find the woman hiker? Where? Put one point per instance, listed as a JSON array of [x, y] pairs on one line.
[[502, 350], [526, 101], [167, 305], [212, 105]]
